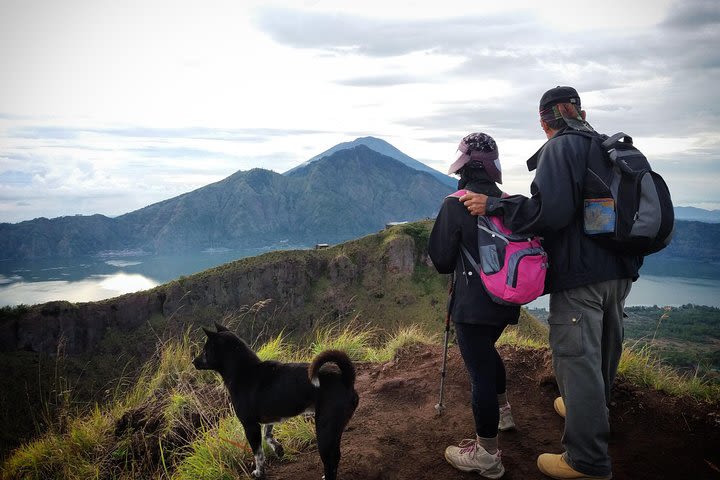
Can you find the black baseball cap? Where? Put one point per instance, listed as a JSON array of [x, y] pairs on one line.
[[559, 95]]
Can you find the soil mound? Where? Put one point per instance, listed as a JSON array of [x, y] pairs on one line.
[[396, 433]]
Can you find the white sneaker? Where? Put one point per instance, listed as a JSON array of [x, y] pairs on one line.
[[469, 456], [506, 419]]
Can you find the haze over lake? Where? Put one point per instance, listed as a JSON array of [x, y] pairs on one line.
[[94, 278]]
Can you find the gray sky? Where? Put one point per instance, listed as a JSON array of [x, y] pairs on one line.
[[108, 106]]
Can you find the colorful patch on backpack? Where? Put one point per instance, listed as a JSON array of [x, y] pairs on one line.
[[599, 216]]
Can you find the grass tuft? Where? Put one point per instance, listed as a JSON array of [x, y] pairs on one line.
[[640, 365], [401, 339], [218, 454], [71, 456], [512, 336], [296, 434], [353, 340], [276, 349], [37, 459]]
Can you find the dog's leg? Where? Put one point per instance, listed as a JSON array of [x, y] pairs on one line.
[[329, 428], [274, 444], [254, 437]]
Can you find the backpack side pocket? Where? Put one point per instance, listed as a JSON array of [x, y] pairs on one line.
[[489, 261]]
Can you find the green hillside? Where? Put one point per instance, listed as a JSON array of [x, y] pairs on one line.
[[686, 337]]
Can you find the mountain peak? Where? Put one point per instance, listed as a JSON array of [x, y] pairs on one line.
[[383, 147]]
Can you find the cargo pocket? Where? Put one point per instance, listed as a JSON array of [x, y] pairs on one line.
[[566, 339]]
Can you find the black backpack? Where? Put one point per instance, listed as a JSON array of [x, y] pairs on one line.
[[627, 206]]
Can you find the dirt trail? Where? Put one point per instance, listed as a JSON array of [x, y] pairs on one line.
[[395, 433]]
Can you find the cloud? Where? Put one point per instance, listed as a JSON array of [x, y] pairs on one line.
[[176, 152], [693, 15], [233, 135], [532, 55], [511, 121], [380, 81], [14, 177], [44, 132], [352, 34]]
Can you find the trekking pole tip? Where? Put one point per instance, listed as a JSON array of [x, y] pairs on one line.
[[439, 408]]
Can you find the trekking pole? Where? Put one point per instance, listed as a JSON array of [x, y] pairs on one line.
[[439, 407]]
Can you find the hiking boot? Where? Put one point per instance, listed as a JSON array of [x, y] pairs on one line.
[[559, 405], [469, 456], [506, 419], [554, 466]]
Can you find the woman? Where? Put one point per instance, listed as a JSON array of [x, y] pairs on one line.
[[478, 320]]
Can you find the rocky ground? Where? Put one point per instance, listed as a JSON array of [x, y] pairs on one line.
[[396, 433]]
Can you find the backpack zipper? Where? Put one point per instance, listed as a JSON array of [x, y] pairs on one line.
[[495, 234]]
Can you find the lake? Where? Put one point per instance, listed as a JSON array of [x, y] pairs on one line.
[[664, 291], [86, 279]]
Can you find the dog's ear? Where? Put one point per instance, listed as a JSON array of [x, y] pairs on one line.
[[221, 328], [207, 331]]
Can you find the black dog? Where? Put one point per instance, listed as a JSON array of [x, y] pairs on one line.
[[268, 392]]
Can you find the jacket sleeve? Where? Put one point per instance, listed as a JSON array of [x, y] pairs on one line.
[[444, 240], [556, 190]]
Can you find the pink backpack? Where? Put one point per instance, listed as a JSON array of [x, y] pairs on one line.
[[512, 267]]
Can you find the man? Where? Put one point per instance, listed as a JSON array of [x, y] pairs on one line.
[[587, 283]]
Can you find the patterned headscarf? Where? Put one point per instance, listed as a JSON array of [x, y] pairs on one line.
[[479, 150], [569, 113], [481, 142]]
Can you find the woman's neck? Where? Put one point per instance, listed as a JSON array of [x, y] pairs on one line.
[[486, 187]]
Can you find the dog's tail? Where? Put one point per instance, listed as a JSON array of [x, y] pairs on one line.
[[347, 369]]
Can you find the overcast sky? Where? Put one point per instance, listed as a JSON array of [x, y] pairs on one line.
[[109, 106]]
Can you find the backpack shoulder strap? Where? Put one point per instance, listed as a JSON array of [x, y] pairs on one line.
[[597, 149], [470, 258], [457, 194], [610, 142], [596, 137], [462, 192]]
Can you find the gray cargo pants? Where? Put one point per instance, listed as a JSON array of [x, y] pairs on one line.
[[586, 335]]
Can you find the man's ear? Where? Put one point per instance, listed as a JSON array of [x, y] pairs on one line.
[[221, 328], [207, 331], [546, 128], [582, 114]]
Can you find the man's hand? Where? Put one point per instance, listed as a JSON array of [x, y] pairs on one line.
[[475, 202]]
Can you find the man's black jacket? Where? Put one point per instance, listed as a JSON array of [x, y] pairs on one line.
[[555, 212]]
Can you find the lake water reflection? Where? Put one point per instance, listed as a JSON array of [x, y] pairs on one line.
[[95, 287], [87, 279]]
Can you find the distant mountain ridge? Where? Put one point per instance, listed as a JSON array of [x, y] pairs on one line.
[[380, 146], [346, 194], [697, 214]]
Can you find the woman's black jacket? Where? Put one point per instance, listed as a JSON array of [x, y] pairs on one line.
[[454, 226]]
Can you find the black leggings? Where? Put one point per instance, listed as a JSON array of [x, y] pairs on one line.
[[487, 373]]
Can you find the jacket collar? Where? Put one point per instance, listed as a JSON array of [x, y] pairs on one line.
[[533, 161]]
